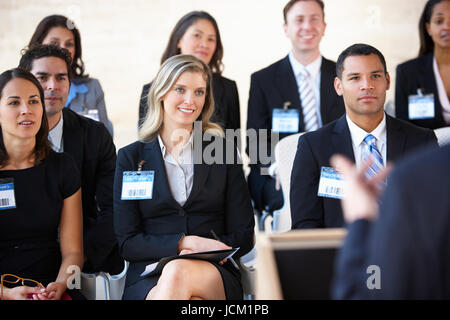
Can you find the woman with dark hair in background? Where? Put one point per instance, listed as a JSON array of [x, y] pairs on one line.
[[40, 212], [197, 34], [423, 84], [86, 95]]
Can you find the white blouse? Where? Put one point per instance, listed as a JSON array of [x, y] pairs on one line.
[[180, 175], [443, 98]]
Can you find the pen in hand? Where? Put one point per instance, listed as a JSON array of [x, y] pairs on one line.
[[230, 258]]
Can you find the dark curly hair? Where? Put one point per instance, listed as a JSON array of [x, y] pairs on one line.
[[42, 148], [358, 49], [43, 51]]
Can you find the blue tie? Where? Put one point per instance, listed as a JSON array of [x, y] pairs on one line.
[[373, 152]]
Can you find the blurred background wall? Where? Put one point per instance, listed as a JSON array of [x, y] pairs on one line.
[[123, 40]]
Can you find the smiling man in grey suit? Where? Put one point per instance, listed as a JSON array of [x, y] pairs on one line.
[[365, 131], [296, 90]]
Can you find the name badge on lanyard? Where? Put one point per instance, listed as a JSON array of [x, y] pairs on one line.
[[137, 185], [285, 120], [421, 106], [7, 197], [331, 184], [90, 113]]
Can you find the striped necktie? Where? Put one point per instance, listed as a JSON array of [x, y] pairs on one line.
[[308, 101], [372, 152]]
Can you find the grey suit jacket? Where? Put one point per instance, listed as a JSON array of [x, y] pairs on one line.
[[93, 99]]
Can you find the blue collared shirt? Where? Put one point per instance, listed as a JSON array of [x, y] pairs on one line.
[[74, 90]]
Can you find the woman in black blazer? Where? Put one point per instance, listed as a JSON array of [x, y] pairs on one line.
[[197, 33], [429, 71], [186, 197]]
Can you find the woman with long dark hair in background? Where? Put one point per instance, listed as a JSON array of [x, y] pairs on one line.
[[423, 84], [86, 95], [197, 34]]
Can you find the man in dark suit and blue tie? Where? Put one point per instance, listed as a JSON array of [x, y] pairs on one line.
[[365, 131], [292, 95]]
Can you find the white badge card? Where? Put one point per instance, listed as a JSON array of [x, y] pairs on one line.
[[285, 121], [331, 184], [137, 185], [7, 198], [91, 114], [421, 107]]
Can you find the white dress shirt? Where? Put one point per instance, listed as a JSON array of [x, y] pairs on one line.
[[180, 175], [359, 146], [314, 71], [442, 93], [55, 136]]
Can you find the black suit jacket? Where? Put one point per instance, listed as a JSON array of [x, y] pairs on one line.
[[409, 242], [412, 75], [226, 103], [315, 150], [276, 84], [148, 230], [91, 145]]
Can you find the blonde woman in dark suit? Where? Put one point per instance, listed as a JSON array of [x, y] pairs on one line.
[[188, 198]]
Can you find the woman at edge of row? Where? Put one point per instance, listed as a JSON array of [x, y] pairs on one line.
[[429, 73], [41, 229]]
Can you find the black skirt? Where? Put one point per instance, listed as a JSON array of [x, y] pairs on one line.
[[230, 276]]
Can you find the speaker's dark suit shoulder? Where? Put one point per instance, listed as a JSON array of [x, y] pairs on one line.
[[436, 160]]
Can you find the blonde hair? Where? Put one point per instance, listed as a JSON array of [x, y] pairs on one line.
[[165, 79]]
